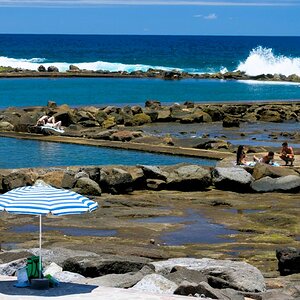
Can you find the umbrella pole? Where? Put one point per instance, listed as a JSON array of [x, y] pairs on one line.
[[40, 259]]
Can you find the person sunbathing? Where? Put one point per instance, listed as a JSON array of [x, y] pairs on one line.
[[287, 154], [48, 122], [267, 159]]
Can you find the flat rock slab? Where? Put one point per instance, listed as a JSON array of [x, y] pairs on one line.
[[76, 291]]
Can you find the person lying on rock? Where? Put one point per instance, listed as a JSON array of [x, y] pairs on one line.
[[48, 121], [287, 154], [267, 159]]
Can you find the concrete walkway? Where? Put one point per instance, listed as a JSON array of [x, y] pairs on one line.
[[76, 291]]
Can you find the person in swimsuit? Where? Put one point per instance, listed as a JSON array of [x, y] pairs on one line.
[[287, 154]]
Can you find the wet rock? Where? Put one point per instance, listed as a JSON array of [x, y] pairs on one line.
[[41, 68], [267, 115], [87, 186], [237, 275], [232, 179], [196, 117], [289, 183], [288, 260], [155, 283], [52, 69]]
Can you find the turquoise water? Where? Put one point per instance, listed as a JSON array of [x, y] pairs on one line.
[[15, 153], [107, 91]]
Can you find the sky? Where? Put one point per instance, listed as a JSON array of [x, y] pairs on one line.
[[151, 17]]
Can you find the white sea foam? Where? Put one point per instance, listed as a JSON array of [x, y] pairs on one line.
[[263, 61], [34, 63], [259, 82]]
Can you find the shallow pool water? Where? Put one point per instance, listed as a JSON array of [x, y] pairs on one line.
[[197, 229], [16, 153], [72, 231]]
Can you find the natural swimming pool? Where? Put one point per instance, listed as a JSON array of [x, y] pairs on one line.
[[15, 153]]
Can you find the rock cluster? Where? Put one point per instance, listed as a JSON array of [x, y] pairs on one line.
[[95, 180], [106, 118], [217, 279]]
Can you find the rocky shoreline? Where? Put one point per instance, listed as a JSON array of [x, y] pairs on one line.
[[74, 71], [258, 204]]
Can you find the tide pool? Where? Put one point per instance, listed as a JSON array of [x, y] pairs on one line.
[[15, 153]]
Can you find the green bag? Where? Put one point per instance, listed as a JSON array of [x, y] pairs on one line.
[[33, 267]]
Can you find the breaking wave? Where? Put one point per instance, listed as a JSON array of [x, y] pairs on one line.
[[34, 63], [263, 61]]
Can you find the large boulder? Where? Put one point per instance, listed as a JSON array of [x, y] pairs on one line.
[[262, 170], [288, 260], [154, 172], [290, 183], [16, 179], [115, 180], [231, 274], [189, 178], [106, 264], [87, 186], [231, 122], [232, 179]]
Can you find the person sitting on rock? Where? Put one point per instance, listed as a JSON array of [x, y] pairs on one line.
[[48, 121], [267, 159], [241, 155], [287, 154]]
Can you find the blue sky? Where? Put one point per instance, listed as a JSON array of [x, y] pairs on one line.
[[234, 17]]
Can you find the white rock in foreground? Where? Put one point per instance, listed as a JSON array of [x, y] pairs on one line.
[[155, 283], [240, 275]]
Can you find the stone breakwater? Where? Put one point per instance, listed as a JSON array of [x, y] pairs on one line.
[[74, 71], [91, 121], [183, 177]]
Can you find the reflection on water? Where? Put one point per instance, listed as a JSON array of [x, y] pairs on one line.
[[72, 231], [196, 229]]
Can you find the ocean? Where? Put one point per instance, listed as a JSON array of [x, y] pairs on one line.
[[195, 54]]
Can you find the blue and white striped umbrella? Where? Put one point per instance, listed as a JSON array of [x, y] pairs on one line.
[[42, 199]]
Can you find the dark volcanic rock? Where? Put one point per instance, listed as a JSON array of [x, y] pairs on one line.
[[231, 122], [288, 260], [52, 69]]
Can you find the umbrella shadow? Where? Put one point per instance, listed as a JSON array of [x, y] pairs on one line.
[[65, 288]]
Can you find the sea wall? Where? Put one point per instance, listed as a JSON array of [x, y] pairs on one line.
[[74, 71], [94, 180]]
